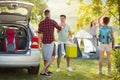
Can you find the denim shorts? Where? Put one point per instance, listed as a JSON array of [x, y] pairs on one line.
[[59, 50]]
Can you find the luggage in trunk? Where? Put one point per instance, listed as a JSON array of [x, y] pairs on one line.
[[10, 43]]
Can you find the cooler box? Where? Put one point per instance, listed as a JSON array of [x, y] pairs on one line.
[[71, 50]]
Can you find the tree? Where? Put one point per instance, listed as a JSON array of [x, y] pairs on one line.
[[37, 11], [91, 10]]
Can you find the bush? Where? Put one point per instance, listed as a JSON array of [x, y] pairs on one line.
[[116, 64], [116, 59]]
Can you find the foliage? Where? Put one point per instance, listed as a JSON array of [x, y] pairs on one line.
[[116, 59], [117, 40], [116, 63], [89, 10], [115, 75], [37, 11]]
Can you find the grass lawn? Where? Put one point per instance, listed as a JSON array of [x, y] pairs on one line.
[[83, 70]]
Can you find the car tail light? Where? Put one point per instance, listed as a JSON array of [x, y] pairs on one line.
[[35, 42]]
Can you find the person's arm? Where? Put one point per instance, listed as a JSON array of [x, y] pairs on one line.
[[112, 34], [57, 26], [70, 33], [101, 16], [40, 35]]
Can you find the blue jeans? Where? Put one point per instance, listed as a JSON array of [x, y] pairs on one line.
[[59, 50]]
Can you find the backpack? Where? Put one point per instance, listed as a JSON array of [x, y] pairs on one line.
[[105, 35], [10, 42]]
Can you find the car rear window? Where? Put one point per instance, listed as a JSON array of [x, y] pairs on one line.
[[18, 10]]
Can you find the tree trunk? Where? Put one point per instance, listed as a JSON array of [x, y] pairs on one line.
[[119, 11]]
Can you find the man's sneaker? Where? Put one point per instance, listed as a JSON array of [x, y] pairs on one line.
[[69, 69], [45, 74], [58, 70], [49, 72], [108, 71], [99, 72]]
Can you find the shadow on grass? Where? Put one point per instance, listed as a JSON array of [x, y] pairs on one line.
[[21, 74], [16, 74], [102, 77], [63, 75]]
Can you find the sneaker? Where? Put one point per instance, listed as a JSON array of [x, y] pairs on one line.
[[108, 71], [58, 70], [45, 74], [49, 72], [69, 69], [99, 72]]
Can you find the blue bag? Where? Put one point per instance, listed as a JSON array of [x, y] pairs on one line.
[[105, 35]]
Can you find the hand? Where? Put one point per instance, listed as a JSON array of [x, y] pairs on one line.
[[62, 26], [58, 31], [113, 47], [71, 40], [106, 9], [40, 43]]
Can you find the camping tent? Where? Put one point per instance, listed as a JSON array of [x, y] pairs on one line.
[[90, 46]]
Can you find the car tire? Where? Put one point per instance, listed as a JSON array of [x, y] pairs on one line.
[[33, 70]]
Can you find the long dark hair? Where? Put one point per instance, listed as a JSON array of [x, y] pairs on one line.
[[91, 24]]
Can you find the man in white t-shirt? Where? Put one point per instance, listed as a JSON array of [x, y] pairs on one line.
[[63, 37]]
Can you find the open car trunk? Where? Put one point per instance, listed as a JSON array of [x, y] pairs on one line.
[[13, 39], [15, 11]]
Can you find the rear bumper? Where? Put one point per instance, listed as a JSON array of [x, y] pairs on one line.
[[19, 65], [31, 58]]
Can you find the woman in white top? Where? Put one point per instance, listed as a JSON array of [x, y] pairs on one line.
[[93, 26], [93, 29]]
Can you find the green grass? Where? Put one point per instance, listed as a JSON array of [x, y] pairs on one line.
[[83, 70]]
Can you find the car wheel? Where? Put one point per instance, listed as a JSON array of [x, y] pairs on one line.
[[33, 70]]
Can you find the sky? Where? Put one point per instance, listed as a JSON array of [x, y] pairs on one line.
[[59, 7]]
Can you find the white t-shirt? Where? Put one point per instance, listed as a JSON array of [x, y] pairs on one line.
[[93, 30]]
